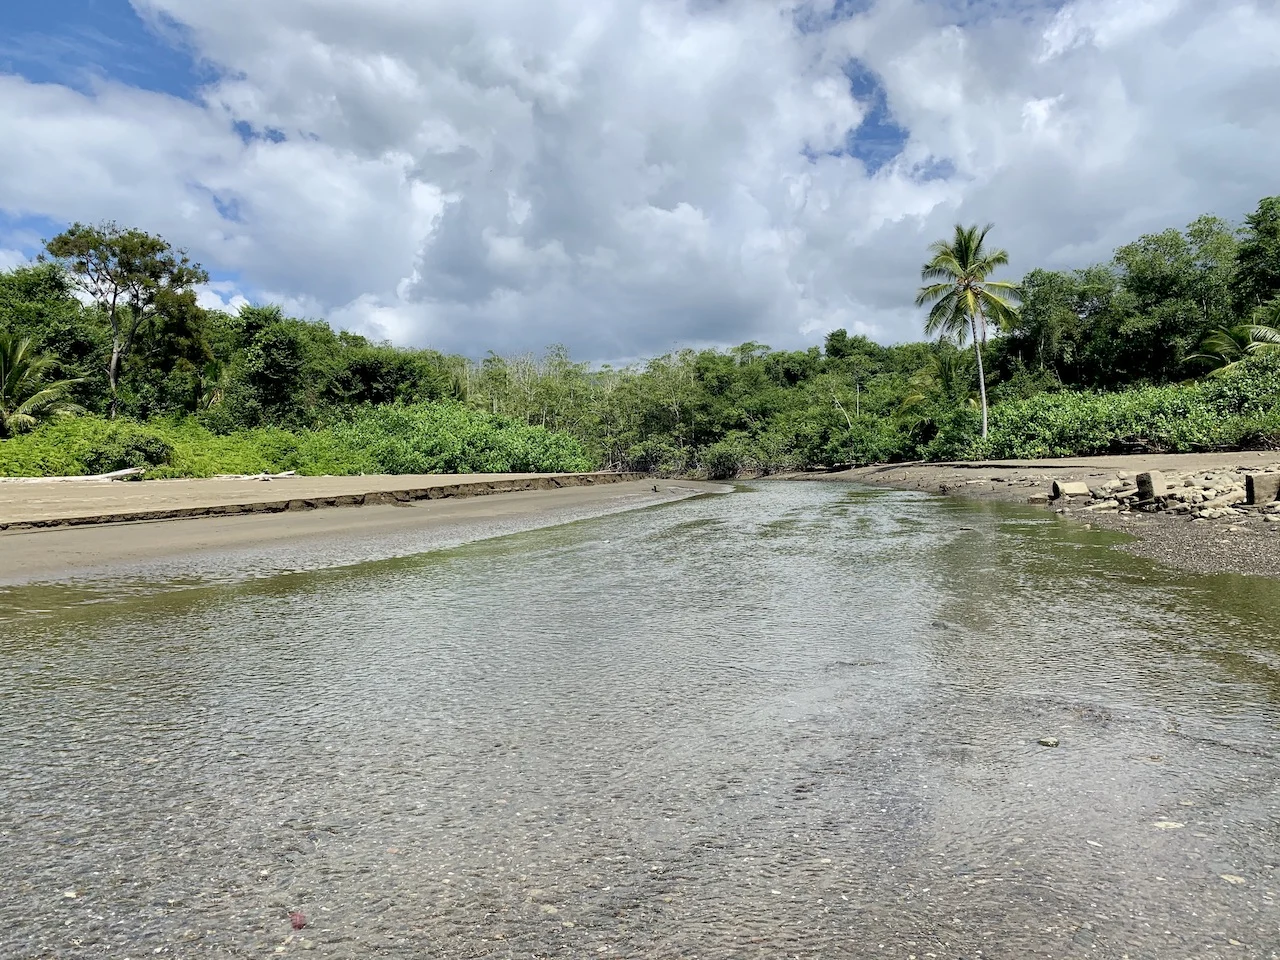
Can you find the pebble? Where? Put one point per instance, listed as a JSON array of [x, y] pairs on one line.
[[1048, 741]]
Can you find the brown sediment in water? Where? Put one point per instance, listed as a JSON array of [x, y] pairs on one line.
[[1242, 543], [201, 524]]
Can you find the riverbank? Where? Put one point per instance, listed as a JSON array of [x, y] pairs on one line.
[[55, 502], [1240, 540], [443, 517]]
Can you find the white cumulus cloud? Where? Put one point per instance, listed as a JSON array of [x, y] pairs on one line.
[[629, 175]]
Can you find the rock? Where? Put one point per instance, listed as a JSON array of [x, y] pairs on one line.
[[1272, 518], [1152, 485], [1226, 500], [1048, 741], [1038, 498], [1069, 488], [1262, 487]]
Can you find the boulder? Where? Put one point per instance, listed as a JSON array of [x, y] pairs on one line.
[[1226, 500]]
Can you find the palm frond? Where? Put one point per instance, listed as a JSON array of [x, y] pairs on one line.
[[933, 292]]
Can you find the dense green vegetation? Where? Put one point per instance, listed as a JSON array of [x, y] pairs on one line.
[[397, 438], [1112, 357]]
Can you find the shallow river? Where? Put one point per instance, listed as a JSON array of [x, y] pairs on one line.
[[800, 720]]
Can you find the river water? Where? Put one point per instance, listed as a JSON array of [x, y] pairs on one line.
[[799, 720]]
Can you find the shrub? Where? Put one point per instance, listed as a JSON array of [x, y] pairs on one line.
[[83, 445], [657, 456], [958, 437], [417, 438], [723, 460], [123, 445]]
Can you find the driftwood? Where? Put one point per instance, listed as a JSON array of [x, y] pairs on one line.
[[255, 476], [114, 475]]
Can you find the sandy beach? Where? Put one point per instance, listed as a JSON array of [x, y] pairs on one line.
[[1240, 543], [44, 552]]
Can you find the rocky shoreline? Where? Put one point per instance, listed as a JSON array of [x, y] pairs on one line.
[[1197, 513]]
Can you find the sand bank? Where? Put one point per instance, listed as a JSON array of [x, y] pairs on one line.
[[33, 503], [45, 552]]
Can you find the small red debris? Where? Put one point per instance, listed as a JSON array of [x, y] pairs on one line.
[[298, 919]]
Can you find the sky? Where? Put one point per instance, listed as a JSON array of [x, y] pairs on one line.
[[626, 176]]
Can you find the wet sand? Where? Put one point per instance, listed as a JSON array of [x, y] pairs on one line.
[[1207, 547], [44, 553]]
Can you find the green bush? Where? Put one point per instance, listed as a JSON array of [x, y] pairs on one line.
[[83, 445], [958, 433], [657, 456], [1239, 408], [450, 438], [123, 445], [723, 460], [417, 438]]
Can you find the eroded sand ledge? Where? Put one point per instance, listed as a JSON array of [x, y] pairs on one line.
[[28, 505]]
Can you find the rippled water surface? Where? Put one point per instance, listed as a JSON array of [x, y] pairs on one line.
[[800, 720]]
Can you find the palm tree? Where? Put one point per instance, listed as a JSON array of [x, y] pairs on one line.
[[26, 398], [945, 377], [963, 298], [1226, 347]]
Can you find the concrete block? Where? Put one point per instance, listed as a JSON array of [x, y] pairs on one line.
[[1262, 487], [1069, 488], [1152, 485]]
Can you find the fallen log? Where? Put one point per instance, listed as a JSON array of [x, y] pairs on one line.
[[113, 475]]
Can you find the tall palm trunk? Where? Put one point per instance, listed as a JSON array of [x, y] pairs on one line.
[[982, 376]]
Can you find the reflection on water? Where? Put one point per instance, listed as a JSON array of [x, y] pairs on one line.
[[798, 721]]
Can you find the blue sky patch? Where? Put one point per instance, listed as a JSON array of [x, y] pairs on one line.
[[879, 139], [80, 42], [27, 233]]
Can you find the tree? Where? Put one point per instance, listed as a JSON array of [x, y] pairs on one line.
[[26, 397], [1175, 288], [1257, 274], [963, 298], [131, 275]]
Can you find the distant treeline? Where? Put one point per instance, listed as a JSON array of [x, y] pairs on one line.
[[1111, 357]]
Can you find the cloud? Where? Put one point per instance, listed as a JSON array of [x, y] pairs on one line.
[[630, 175], [12, 258]]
